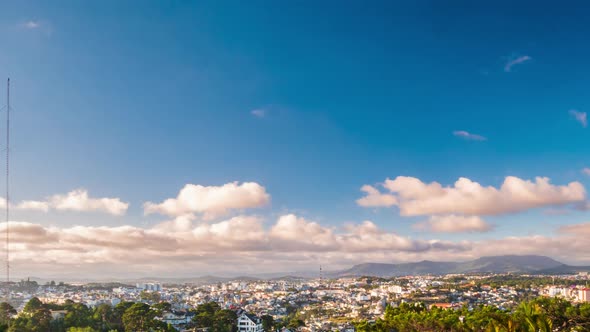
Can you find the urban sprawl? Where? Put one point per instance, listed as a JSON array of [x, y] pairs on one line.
[[303, 304]]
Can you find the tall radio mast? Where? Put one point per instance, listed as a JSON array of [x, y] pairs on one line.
[[7, 190]]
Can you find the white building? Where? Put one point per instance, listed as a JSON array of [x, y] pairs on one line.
[[558, 292], [396, 289], [249, 323], [175, 319], [149, 286], [584, 295]]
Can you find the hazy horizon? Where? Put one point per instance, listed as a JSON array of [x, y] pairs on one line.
[[227, 138]]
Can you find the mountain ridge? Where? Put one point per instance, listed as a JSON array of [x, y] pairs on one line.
[[485, 264]]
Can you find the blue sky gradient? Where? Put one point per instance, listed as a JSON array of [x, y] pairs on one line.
[[135, 99]]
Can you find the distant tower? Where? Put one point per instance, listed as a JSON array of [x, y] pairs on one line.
[[321, 276], [7, 201]]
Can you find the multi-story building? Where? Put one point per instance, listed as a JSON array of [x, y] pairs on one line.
[[249, 323], [149, 286]]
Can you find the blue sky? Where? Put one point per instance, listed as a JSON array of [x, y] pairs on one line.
[[133, 100]]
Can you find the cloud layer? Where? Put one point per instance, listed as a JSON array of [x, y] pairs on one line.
[[454, 224], [467, 197], [242, 245], [291, 237], [192, 242]]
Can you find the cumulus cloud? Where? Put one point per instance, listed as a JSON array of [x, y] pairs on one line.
[[76, 200], [33, 205], [454, 224], [211, 201], [374, 198], [259, 113], [513, 61], [581, 117], [468, 136], [295, 233], [467, 197]]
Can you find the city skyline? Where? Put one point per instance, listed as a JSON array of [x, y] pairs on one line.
[[234, 139]]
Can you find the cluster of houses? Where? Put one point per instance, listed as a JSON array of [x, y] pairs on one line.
[[321, 304], [575, 294]]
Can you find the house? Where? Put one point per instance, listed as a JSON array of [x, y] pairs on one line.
[[58, 314], [175, 319], [249, 323], [442, 305]]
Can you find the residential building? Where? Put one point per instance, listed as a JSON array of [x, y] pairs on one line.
[[249, 323]]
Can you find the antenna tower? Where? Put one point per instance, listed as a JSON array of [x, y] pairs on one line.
[[7, 203]]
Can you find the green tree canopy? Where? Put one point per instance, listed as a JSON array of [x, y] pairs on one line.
[[139, 318]]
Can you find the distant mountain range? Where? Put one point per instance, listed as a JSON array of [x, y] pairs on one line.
[[490, 264]]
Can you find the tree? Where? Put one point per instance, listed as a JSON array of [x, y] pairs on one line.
[[205, 313], [267, 323], [81, 329], [224, 321], [39, 321], [138, 318], [6, 312], [153, 297], [295, 323], [161, 308], [33, 305], [78, 315], [104, 317], [118, 311]]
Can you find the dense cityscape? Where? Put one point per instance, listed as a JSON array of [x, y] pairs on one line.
[[297, 304]]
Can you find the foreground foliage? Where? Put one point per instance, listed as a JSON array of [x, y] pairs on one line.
[[539, 315], [77, 317]]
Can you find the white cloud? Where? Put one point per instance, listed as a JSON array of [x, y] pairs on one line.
[[454, 224], [75, 200], [515, 61], [241, 245], [297, 233], [576, 229], [31, 24], [468, 136], [581, 117], [259, 113], [78, 200], [211, 201], [33, 205], [375, 198], [241, 239], [586, 170], [467, 197]]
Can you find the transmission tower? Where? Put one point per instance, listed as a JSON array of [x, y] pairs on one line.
[[7, 201]]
